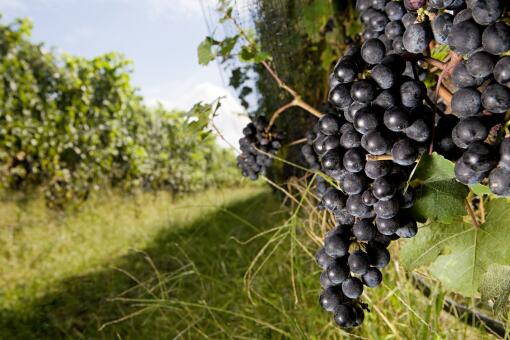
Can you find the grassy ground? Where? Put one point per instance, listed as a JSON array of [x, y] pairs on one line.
[[222, 264]]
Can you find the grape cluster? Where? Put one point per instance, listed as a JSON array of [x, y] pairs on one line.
[[377, 110], [474, 30], [257, 146]]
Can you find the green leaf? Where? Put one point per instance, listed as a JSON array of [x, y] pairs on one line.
[[439, 196], [480, 189], [205, 51], [250, 54], [314, 17], [440, 52], [495, 286], [227, 45], [458, 254]]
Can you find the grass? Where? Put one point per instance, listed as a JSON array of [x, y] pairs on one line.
[[221, 264]]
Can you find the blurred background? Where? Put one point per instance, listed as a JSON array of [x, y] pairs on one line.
[[122, 212]]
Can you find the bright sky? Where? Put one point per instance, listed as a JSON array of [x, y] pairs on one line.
[[159, 36]]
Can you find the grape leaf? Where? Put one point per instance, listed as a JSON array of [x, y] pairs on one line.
[[495, 285], [438, 196], [440, 52], [480, 189], [314, 16], [458, 254], [205, 51]]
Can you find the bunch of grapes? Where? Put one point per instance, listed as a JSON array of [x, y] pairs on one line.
[[474, 30], [257, 147], [378, 112]]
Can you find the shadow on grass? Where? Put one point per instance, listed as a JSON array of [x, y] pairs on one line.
[[197, 262]]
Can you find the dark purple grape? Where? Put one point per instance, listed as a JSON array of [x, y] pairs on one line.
[[465, 37], [336, 246], [329, 124], [366, 120], [414, 5], [480, 64], [323, 259], [462, 78], [396, 119], [486, 12], [502, 71], [337, 271], [394, 10], [496, 38], [377, 169], [496, 98], [364, 230], [352, 288], [466, 102], [441, 26], [378, 255], [394, 29], [340, 96], [383, 76], [407, 228], [358, 262], [386, 209], [354, 160], [368, 198], [408, 19], [499, 182], [356, 207], [363, 91], [331, 298], [375, 143], [353, 183], [372, 278], [504, 154], [412, 93], [383, 188], [345, 316], [386, 226], [373, 51], [404, 152], [416, 38]]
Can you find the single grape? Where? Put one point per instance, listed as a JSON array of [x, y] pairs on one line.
[[333, 199], [356, 207], [354, 160], [398, 45], [465, 14], [368, 198], [407, 198], [364, 230], [486, 12], [329, 124], [465, 37], [414, 5], [384, 76], [363, 91], [386, 209], [441, 26], [345, 316], [409, 18], [378, 21], [372, 278], [394, 10], [496, 38], [385, 99], [377, 169], [350, 139], [337, 271], [412, 93], [366, 120], [373, 51], [335, 246], [378, 255], [416, 38], [358, 262], [504, 152], [395, 62], [404, 152], [502, 71], [386, 226], [323, 259], [499, 182], [470, 130], [331, 298], [419, 130], [496, 98], [407, 228], [345, 71], [340, 96], [462, 78], [352, 288], [375, 143], [331, 160], [480, 64], [394, 29], [353, 183], [383, 188], [396, 119], [325, 281], [466, 102]]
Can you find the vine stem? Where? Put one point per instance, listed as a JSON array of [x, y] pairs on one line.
[[278, 112], [434, 62], [298, 101], [482, 210], [472, 214], [298, 141], [379, 158]]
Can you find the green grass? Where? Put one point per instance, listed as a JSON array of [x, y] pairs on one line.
[[221, 264]]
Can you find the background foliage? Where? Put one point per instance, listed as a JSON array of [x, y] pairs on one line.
[[68, 125]]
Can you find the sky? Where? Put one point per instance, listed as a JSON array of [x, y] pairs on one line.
[[159, 36]]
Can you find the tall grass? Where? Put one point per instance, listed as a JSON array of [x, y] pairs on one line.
[[221, 265]]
